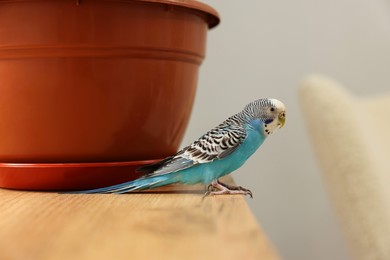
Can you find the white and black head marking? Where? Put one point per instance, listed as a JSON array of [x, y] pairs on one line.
[[271, 112]]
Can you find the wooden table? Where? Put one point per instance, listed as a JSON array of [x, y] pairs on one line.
[[169, 223]]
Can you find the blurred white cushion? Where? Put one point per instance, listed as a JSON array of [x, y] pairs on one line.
[[351, 138]]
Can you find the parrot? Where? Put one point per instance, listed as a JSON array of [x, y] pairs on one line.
[[218, 152]]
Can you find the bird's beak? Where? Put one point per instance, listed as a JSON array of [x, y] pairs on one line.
[[282, 119]]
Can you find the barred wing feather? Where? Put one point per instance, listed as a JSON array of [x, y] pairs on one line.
[[215, 144]]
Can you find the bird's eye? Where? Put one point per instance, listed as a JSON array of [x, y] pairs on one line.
[[272, 109]]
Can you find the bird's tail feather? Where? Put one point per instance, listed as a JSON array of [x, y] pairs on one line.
[[136, 185]]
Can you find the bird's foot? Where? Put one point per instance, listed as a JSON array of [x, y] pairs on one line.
[[219, 188], [237, 188]]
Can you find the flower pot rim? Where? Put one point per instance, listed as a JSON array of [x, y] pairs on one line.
[[212, 15]]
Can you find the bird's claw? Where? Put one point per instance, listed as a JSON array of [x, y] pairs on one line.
[[219, 188], [210, 188]]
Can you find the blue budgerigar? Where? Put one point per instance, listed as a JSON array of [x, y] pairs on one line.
[[219, 152]]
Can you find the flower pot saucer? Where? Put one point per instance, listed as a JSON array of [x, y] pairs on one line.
[[67, 176]]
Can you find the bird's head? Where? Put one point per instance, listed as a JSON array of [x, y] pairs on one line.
[[270, 111]]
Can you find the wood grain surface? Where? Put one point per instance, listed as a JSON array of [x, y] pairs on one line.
[[169, 223]]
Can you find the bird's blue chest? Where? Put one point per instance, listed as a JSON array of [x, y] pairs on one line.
[[252, 142], [236, 159], [207, 172]]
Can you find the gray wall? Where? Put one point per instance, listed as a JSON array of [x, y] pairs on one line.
[[265, 49]]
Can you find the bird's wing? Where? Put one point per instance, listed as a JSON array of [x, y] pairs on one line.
[[215, 144]]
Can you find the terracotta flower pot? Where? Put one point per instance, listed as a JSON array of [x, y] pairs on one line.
[[97, 81]]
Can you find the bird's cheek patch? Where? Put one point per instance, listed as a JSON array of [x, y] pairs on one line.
[[268, 121]]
